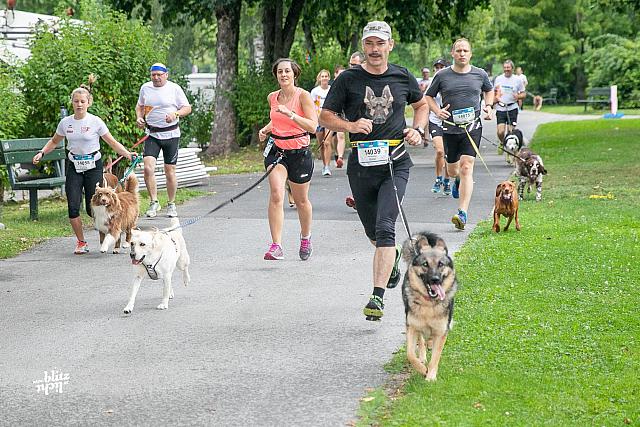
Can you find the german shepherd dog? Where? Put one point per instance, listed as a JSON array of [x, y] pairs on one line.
[[427, 291]]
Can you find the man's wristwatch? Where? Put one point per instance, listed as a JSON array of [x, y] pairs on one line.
[[420, 131]]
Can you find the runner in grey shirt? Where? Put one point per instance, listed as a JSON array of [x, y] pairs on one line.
[[461, 86]]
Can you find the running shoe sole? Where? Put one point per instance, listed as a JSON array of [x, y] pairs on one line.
[[458, 222]]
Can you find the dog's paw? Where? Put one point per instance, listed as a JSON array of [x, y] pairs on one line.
[[125, 245], [163, 306], [128, 309], [431, 376], [103, 249], [171, 294], [116, 250]]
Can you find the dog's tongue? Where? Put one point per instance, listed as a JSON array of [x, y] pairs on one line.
[[438, 289], [134, 261]]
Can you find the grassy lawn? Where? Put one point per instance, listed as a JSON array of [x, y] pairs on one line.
[[22, 233], [546, 329], [579, 109]]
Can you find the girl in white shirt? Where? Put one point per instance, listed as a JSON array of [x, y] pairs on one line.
[[318, 95], [83, 131]]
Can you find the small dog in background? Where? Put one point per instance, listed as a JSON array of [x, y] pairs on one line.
[[427, 291], [115, 212], [157, 253], [513, 142], [506, 204], [530, 170]]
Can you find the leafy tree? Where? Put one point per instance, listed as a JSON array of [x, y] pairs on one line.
[[13, 118], [116, 50], [614, 61]]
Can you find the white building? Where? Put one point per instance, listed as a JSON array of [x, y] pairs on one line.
[[16, 28]]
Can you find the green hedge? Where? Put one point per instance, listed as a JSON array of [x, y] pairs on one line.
[[116, 50]]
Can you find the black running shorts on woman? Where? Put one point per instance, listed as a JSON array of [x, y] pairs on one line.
[[299, 163], [77, 182]]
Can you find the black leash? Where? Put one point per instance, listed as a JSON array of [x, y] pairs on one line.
[[232, 199], [502, 148], [403, 217]]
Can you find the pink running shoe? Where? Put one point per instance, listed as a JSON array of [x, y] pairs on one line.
[[350, 202], [274, 252], [305, 249]]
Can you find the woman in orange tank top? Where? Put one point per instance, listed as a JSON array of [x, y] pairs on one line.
[[293, 118]]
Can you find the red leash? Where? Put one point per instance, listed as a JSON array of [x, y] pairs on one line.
[[140, 141]]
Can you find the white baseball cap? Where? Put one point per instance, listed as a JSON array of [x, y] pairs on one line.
[[378, 29]]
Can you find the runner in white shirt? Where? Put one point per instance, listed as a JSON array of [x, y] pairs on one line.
[[509, 89], [83, 131], [318, 95], [160, 106]]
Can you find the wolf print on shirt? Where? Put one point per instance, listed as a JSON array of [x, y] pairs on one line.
[[379, 108]]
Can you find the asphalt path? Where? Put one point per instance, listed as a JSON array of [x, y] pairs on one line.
[[249, 342]]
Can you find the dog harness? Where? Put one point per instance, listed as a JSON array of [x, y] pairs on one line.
[[151, 269]]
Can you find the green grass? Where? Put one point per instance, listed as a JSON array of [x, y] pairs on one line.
[[546, 329], [21, 233], [579, 109], [247, 159]]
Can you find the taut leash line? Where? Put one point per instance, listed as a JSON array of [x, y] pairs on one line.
[[231, 200]]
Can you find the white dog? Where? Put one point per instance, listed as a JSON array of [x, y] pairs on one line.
[[157, 253]]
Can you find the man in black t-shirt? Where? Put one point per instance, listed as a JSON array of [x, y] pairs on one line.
[[373, 98]]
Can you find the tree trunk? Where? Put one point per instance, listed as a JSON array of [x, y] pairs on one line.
[[223, 132], [268, 31], [278, 39], [309, 43]]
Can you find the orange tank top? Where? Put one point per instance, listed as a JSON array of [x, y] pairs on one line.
[[282, 125]]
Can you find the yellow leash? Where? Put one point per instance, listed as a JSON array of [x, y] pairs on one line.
[[473, 144]]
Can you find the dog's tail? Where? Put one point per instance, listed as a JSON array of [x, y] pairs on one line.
[[131, 184]]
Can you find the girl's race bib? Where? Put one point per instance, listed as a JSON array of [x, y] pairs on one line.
[[83, 162]]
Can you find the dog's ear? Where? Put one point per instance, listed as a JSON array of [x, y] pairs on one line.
[[97, 185], [442, 245], [543, 171], [499, 189]]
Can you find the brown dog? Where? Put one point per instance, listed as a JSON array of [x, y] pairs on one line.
[[506, 204], [115, 212]]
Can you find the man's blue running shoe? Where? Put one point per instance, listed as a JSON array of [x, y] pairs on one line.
[[446, 188], [459, 219], [436, 186], [455, 189]]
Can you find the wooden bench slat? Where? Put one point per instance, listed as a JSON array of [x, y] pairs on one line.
[[34, 144], [27, 156], [40, 184]]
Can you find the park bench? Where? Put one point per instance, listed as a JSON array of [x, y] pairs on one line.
[[17, 151], [551, 97], [596, 95]]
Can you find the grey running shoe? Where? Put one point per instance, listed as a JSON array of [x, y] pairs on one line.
[[154, 207], [171, 210], [305, 249]]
